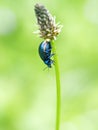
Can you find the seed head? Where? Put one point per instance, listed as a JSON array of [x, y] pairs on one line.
[[48, 29]]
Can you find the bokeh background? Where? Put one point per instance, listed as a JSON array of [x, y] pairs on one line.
[[27, 93]]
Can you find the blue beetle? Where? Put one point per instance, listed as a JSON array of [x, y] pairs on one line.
[[45, 53]]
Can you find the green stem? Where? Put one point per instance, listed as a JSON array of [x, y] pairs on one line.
[[58, 95]]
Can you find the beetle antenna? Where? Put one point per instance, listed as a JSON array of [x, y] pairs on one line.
[[45, 68]]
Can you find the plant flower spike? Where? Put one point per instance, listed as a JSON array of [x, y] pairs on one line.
[[48, 30]]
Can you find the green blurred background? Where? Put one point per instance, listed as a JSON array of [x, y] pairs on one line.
[[27, 93]]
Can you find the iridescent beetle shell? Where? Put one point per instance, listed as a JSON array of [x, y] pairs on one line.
[[45, 53]]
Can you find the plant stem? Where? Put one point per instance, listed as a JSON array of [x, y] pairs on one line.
[[58, 93]]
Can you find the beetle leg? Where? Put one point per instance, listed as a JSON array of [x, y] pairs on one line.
[[51, 55], [47, 50], [52, 61]]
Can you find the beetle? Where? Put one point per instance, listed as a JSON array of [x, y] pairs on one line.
[[45, 53]]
